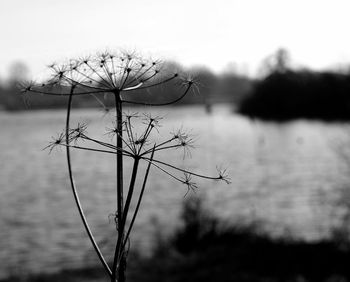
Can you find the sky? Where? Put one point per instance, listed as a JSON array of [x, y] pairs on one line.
[[218, 34]]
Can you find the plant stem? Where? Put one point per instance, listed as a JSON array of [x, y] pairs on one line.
[[74, 190], [119, 262], [119, 175], [119, 160], [139, 200]]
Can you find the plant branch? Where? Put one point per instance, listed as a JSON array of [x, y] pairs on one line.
[[183, 170], [139, 200], [162, 104], [74, 190], [118, 250]]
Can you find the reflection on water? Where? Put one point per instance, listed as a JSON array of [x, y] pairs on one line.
[[287, 176]]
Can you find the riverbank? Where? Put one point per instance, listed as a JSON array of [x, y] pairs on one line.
[[205, 249]]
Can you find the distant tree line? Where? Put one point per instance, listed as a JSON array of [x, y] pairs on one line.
[[285, 94], [228, 87]]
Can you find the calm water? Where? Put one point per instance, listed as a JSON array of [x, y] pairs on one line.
[[291, 177]]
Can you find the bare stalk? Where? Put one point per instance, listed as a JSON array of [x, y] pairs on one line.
[[75, 192], [119, 255], [119, 162], [139, 200]]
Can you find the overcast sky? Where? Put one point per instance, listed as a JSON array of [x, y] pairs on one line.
[[212, 33]]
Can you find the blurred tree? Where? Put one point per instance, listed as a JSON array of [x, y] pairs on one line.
[[18, 71], [278, 62], [9, 98]]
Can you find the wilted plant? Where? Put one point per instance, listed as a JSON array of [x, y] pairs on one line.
[[119, 75]]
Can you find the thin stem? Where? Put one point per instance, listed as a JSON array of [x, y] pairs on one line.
[[119, 143], [144, 80], [108, 73], [131, 190], [99, 101], [126, 78], [113, 71], [119, 250], [89, 78], [156, 83], [161, 104], [138, 75], [163, 170], [101, 143], [147, 132], [133, 87], [73, 81], [97, 73], [74, 190], [158, 145], [182, 170], [125, 153], [119, 175], [126, 144], [128, 130], [139, 199], [167, 147], [66, 94], [123, 80]]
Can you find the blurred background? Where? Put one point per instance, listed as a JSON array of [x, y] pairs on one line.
[[272, 106]]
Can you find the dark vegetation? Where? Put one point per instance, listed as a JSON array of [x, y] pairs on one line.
[[300, 94], [228, 87], [204, 249], [286, 94]]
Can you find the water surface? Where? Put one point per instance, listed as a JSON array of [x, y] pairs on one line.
[[291, 177]]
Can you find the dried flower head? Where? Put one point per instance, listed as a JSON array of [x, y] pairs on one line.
[[223, 175], [79, 132], [121, 75], [187, 180], [56, 141]]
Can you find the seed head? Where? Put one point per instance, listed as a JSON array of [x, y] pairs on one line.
[[78, 132], [187, 180], [56, 141], [223, 175]]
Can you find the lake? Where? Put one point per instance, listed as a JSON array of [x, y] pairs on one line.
[[291, 178]]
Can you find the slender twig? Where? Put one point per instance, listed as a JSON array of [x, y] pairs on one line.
[[139, 200], [183, 170], [118, 254], [166, 80], [74, 190], [162, 104], [66, 94], [119, 176], [124, 153], [164, 170]]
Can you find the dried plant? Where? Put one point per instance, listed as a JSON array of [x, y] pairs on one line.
[[120, 75]]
